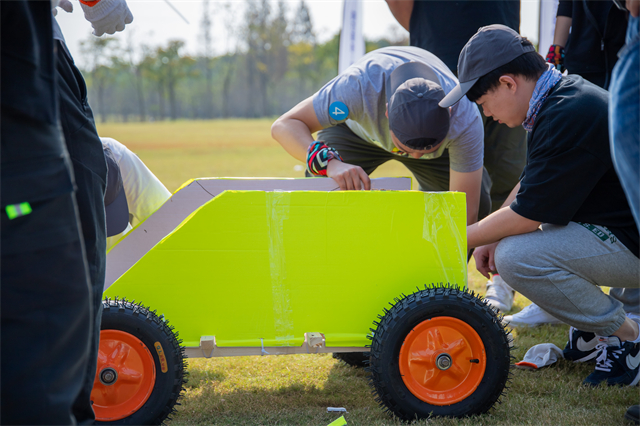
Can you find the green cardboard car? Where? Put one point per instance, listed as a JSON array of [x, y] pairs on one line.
[[287, 266]]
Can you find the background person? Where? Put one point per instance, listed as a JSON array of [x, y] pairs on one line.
[[443, 28], [566, 228], [143, 190], [385, 107]]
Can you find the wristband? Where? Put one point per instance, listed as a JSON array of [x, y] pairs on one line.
[[556, 56], [318, 157]]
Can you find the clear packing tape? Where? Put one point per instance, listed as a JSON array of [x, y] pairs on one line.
[[260, 269]]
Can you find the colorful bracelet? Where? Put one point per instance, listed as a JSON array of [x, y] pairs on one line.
[[556, 56], [318, 157]]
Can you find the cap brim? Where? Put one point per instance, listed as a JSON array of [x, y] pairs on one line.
[[117, 215], [407, 71], [457, 93]]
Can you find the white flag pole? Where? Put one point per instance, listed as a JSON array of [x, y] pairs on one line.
[[351, 38], [548, 11]]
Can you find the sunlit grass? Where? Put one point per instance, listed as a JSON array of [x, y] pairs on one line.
[[297, 389]]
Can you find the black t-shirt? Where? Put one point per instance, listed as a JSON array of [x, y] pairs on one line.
[[444, 27], [597, 34], [569, 176]]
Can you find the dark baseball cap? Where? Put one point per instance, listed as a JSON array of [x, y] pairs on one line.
[[491, 47], [115, 201], [413, 92]]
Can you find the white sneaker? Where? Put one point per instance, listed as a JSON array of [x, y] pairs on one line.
[[499, 294], [531, 316]]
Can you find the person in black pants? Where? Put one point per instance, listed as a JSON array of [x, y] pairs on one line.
[[87, 156], [45, 308]]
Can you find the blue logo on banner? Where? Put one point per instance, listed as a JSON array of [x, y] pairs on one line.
[[338, 111]]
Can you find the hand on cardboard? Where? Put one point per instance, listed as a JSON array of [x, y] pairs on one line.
[[484, 256], [348, 176], [107, 16]]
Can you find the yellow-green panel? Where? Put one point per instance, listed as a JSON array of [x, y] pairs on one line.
[[253, 268]]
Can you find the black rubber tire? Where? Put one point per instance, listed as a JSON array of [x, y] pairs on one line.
[[144, 324], [408, 312], [353, 359]]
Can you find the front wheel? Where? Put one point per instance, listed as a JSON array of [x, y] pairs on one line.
[[439, 352], [141, 366]]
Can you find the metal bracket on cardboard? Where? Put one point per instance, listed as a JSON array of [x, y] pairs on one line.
[[314, 341], [207, 345]]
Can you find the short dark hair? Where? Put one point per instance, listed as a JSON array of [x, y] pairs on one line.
[[529, 65]]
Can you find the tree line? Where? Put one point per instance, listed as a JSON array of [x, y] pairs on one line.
[[273, 62]]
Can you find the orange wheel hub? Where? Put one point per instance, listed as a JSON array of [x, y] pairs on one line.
[[125, 377], [442, 360]]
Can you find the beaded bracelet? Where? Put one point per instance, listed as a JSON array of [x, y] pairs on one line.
[[556, 56], [318, 157]]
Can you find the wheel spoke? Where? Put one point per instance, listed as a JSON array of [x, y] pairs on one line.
[[456, 347], [129, 376]]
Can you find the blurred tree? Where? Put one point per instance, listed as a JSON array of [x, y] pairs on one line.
[[207, 55], [99, 53]]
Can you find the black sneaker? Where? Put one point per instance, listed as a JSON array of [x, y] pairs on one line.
[[581, 346], [618, 364], [633, 414]]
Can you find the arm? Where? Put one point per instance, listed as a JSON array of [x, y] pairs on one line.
[[498, 225], [484, 254], [561, 34], [470, 184], [293, 130], [401, 10]]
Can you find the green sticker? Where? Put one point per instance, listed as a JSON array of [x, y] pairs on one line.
[[17, 210], [338, 422]]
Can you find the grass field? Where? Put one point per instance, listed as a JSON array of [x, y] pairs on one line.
[[296, 390]]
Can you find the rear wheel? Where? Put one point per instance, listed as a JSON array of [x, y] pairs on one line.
[[439, 352], [353, 359], [141, 366]]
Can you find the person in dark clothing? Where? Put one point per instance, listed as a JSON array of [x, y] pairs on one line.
[[90, 169], [45, 293], [568, 229], [443, 28], [587, 39]]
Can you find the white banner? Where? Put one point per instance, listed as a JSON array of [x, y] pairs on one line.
[[548, 11], [351, 38]]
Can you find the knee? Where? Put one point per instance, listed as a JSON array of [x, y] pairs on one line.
[[511, 259]]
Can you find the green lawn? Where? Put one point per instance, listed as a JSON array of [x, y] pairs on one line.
[[297, 389]]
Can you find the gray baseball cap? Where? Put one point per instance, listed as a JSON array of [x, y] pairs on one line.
[[413, 91], [115, 201], [491, 47]]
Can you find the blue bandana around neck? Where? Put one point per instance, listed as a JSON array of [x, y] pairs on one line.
[[546, 82]]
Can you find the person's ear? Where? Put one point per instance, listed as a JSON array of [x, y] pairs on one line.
[[509, 82]]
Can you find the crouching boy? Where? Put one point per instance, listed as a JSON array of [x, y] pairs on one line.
[[566, 229]]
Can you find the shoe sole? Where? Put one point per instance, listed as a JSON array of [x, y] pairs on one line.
[[537, 324], [635, 381]]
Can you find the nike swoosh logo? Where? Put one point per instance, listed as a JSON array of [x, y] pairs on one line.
[[633, 361], [584, 346]]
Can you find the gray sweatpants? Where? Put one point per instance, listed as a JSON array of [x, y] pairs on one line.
[[560, 268]]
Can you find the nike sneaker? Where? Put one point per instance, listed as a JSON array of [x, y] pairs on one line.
[[531, 316], [617, 364], [581, 346], [499, 294]]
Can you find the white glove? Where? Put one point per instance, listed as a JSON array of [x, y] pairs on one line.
[[64, 5], [108, 16]]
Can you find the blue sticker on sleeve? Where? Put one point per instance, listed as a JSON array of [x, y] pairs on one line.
[[338, 111]]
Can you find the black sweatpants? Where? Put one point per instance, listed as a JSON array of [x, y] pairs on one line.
[[90, 170], [45, 293]]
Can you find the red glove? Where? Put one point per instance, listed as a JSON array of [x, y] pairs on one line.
[[556, 57]]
